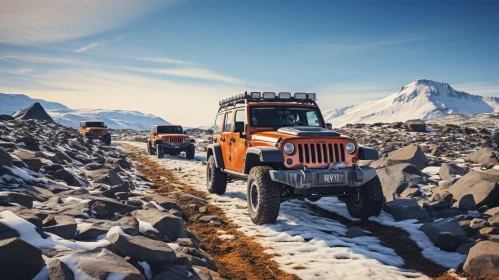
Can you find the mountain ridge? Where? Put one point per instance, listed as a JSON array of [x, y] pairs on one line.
[[420, 99], [114, 119]]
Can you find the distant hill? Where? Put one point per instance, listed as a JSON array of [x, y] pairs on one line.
[[115, 119]]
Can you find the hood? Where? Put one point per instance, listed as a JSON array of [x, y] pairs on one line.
[[297, 132]]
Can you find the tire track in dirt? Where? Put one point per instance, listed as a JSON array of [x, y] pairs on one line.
[[241, 258], [395, 238]]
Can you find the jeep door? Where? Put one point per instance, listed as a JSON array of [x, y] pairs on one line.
[[151, 136], [82, 128], [237, 143], [225, 134]]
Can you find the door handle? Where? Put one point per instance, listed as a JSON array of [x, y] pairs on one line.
[[222, 139], [232, 139]]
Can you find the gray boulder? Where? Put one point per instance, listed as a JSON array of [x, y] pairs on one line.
[[6, 198], [484, 186], [484, 156], [446, 233], [19, 259], [415, 125], [128, 224], [449, 170], [141, 248], [111, 205], [59, 270], [483, 259], [100, 263], [104, 176], [65, 227], [467, 202], [404, 209], [395, 179], [91, 232], [6, 232], [5, 158], [169, 225], [410, 154], [68, 177]]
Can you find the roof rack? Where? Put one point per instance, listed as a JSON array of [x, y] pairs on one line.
[[268, 96]]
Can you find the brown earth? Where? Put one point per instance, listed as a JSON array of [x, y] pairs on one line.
[[244, 258], [241, 258]]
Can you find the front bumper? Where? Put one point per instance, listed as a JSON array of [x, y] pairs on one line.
[[95, 136], [179, 146], [324, 178]]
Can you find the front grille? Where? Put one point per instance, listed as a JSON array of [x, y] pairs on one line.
[[176, 140], [96, 131], [321, 153]]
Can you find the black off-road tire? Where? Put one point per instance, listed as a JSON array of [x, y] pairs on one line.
[[263, 196], [216, 180], [190, 152], [368, 201], [150, 150], [160, 153], [107, 139]]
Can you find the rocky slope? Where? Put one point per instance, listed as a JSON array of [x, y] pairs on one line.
[[74, 210], [421, 99]]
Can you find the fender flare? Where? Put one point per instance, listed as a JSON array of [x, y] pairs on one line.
[[216, 151], [366, 153], [257, 155]]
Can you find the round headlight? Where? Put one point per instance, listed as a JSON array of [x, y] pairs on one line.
[[351, 147], [289, 148]]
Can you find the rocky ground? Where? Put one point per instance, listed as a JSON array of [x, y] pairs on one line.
[[74, 210]]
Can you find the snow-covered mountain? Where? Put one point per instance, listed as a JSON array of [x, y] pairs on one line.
[[421, 99], [10, 103], [115, 119]]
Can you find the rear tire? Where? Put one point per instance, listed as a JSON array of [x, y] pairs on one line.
[[107, 139], [263, 196], [368, 201], [216, 180], [190, 152], [160, 153]]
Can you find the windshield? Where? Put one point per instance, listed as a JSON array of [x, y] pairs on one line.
[[285, 116], [94, 124], [170, 129]]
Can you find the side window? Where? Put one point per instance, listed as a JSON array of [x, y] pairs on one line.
[[241, 116], [228, 122], [218, 124]]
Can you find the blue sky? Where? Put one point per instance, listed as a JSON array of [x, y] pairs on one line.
[[176, 59]]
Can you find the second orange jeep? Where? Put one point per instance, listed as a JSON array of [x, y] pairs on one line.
[[169, 139]]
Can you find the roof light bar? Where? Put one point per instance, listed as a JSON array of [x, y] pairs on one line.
[[255, 95], [300, 95], [284, 95], [268, 95]]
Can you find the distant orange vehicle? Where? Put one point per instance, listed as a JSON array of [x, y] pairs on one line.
[[95, 130], [282, 146], [169, 139]]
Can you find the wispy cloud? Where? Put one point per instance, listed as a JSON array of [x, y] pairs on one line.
[[338, 95], [100, 44], [42, 59], [190, 73], [333, 47], [163, 60], [29, 22], [478, 88]]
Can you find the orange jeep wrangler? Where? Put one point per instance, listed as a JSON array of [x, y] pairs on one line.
[[170, 139], [95, 130], [282, 146]]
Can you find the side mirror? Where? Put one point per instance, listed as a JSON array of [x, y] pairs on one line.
[[185, 132], [329, 126], [105, 126]]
